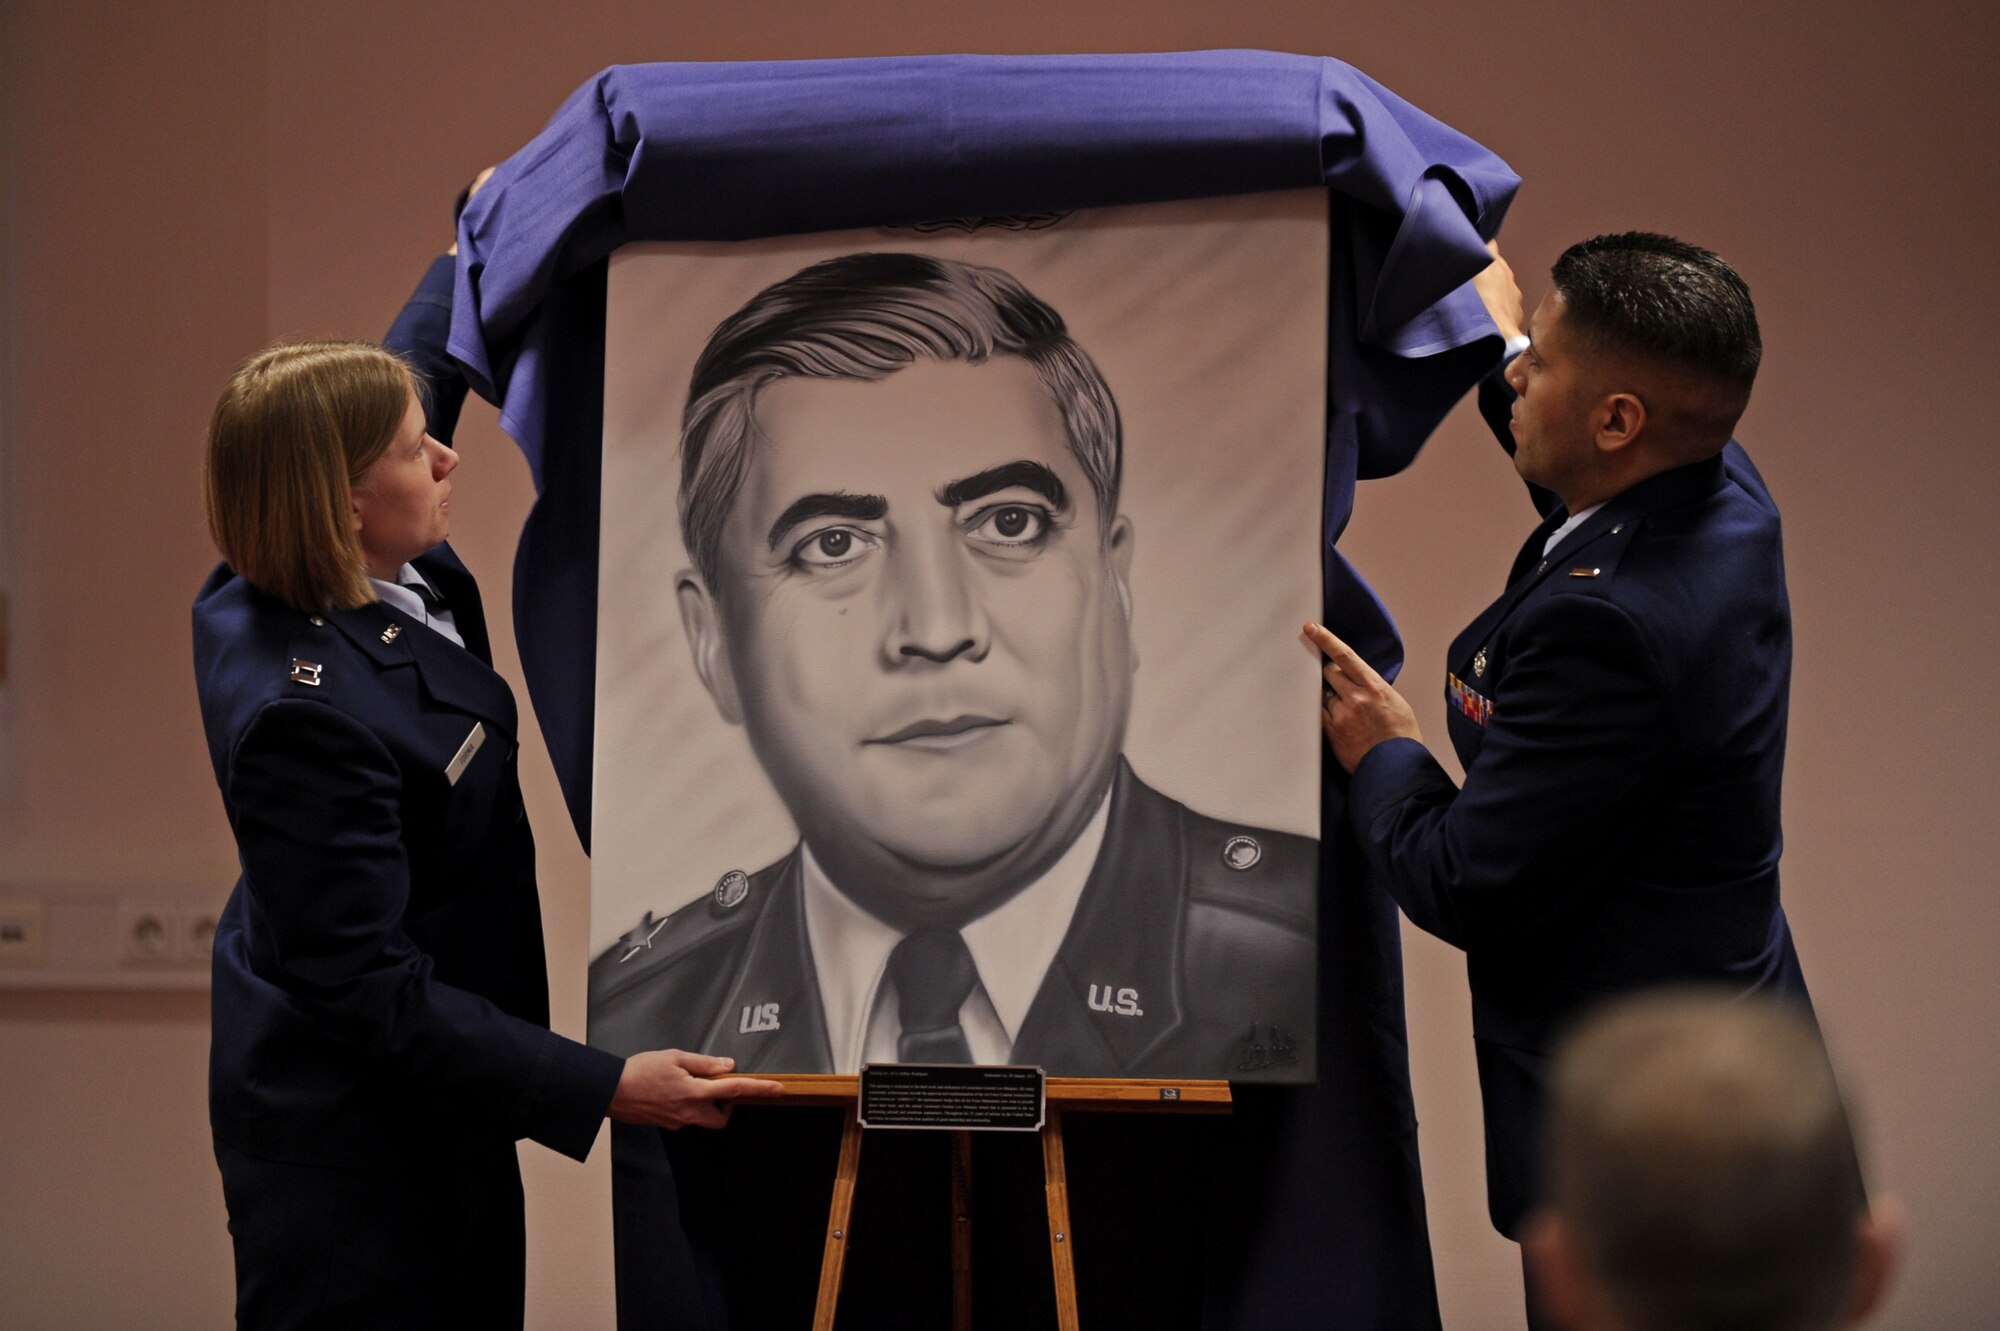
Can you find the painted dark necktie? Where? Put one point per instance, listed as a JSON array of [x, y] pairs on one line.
[[933, 973]]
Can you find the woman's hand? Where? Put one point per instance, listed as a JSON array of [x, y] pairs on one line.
[[667, 1088]]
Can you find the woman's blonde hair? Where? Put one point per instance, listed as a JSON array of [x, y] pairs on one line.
[[298, 426]]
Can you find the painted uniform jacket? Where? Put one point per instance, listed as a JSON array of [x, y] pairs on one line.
[[1620, 715], [1190, 955]]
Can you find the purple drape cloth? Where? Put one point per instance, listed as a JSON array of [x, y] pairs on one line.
[[1324, 1222]]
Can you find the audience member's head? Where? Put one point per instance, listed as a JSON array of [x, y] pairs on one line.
[[1701, 1176]]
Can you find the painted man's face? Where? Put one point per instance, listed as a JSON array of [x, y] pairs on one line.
[[924, 627]]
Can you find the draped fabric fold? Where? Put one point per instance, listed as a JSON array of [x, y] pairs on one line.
[[736, 151]]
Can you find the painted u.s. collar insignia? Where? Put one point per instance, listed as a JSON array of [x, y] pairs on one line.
[[640, 937], [1467, 703], [758, 1018], [1479, 662]]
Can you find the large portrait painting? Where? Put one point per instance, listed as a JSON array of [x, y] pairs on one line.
[[951, 699]]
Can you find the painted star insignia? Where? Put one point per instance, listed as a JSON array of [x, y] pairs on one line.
[[640, 937]]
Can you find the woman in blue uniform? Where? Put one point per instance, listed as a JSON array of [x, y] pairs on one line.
[[380, 998]]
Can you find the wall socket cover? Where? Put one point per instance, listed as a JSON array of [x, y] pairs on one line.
[[152, 934], [23, 932]]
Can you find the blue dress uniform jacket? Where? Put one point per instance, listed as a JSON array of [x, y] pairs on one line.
[[380, 988], [1620, 715]]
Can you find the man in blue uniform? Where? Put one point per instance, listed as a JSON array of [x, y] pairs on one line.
[[1620, 710]]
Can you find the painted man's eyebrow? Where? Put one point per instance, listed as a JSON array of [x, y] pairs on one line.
[[1029, 475], [866, 507]]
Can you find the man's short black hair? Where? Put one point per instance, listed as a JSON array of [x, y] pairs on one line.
[[1663, 299]]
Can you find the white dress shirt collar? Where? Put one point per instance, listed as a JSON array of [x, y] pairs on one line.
[[1575, 520], [402, 594], [1012, 946]]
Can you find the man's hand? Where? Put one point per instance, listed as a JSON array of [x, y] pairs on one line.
[[667, 1088], [478, 183], [1361, 709], [1497, 288]]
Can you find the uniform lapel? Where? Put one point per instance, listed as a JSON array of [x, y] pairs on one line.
[[442, 569], [1126, 935], [451, 674], [1467, 661], [771, 1020]]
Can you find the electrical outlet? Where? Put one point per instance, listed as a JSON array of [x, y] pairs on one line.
[[197, 936], [148, 934], [23, 933]]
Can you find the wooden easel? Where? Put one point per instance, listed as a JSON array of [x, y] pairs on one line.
[[1065, 1094]]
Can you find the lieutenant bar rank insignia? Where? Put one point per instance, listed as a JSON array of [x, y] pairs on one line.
[[1465, 702]]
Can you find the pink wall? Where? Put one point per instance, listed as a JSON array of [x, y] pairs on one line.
[[182, 185]]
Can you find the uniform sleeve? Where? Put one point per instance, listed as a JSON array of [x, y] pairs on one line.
[[419, 334], [313, 801], [1580, 728]]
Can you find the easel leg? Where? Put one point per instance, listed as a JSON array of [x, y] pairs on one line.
[[961, 1231], [838, 1216], [1055, 1175]]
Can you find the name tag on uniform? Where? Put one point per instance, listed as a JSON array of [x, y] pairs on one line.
[[465, 751]]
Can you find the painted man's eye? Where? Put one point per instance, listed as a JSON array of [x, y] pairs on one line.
[[1010, 524], [832, 548]]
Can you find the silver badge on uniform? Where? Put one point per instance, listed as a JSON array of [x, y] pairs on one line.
[[1241, 852], [463, 760], [391, 633], [305, 672], [1479, 662], [731, 888]]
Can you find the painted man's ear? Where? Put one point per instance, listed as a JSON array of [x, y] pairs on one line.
[[1118, 550], [711, 654]]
